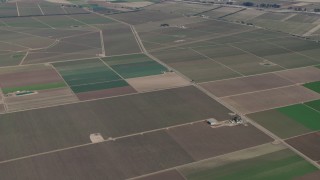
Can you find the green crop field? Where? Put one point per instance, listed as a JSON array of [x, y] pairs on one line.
[[291, 120], [315, 86], [280, 165], [314, 104], [136, 65], [89, 75], [303, 115], [99, 86]]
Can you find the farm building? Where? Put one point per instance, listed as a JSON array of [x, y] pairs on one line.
[[212, 121]]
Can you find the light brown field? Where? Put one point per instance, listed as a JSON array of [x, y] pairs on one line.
[[269, 99], [245, 84], [162, 81], [301, 75], [105, 93], [43, 98]]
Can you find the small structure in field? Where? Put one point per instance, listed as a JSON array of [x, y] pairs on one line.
[[21, 93], [164, 25], [212, 122], [236, 119], [96, 138]]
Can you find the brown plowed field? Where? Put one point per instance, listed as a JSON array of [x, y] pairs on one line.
[[245, 85], [168, 175], [106, 93], [114, 160], [269, 99], [201, 141], [307, 144], [16, 78], [301, 75], [46, 129], [119, 39]]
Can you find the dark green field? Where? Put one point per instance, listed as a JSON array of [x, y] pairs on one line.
[[136, 65], [315, 86], [314, 104], [303, 115], [89, 75]]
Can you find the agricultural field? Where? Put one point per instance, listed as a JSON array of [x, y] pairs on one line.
[[194, 65], [28, 9], [8, 10], [285, 22], [289, 121], [307, 144], [33, 87], [154, 89], [91, 79], [156, 82], [314, 86], [119, 39], [135, 65], [274, 162], [143, 16], [221, 12], [244, 15], [70, 125], [246, 84], [270, 99], [194, 139]]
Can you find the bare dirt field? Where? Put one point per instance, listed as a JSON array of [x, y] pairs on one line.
[[119, 39], [43, 98], [171, 174], [269, 99], [106, 93], [46, 129], [301, 75], [120, 159], [2, 108], [307, 144], [245, 84], [155, 82], [201, 141]]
